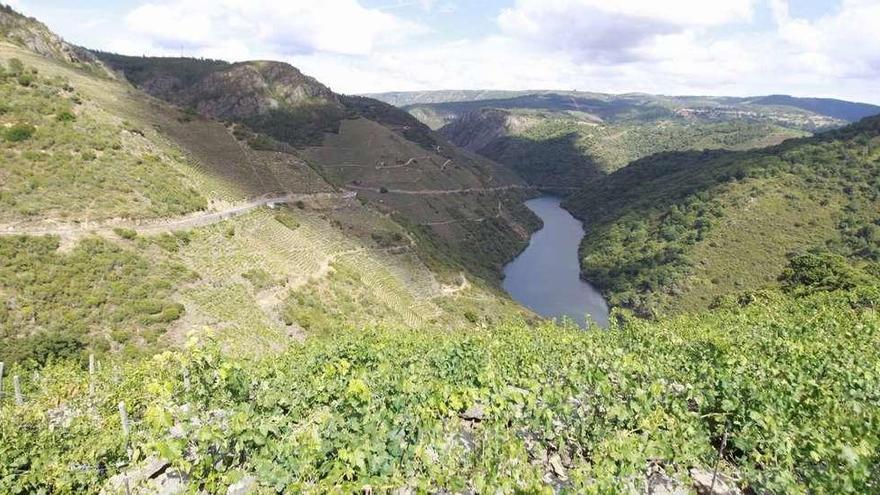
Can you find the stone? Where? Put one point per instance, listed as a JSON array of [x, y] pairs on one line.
[[660, 484], [724, 485], [555, 463], [61, 417], [474, 413], [150, 476], [168, 483], [244, 486]]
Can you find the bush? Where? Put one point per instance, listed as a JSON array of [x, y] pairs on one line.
[[25, 79], [127, 234], [42, 348], [66, 116], [259, 142], [387, 239], [19, 132], [822, 271], [287, 220], [260, 279], [16, 66]]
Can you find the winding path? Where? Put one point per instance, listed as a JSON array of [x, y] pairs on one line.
[[438, 192], [180, 223]]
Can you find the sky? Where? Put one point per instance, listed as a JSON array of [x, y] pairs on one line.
[[822, 48]]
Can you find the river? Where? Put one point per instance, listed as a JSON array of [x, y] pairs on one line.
[[546, 276]]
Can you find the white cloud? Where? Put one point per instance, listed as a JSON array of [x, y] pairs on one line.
[[673, 47], [292, 27], [612, 32], [845, 44]]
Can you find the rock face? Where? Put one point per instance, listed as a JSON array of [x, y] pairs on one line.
[[243, 90], [476, 130]]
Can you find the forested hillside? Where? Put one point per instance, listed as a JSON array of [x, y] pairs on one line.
[[673, 231]]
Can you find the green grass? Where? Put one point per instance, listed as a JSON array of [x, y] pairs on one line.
[[788, 381]]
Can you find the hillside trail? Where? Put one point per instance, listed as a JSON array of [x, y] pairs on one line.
[[171, 224], [438, 192]]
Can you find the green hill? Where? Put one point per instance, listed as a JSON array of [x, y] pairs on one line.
[[126, 221], [800, 113], [675, 230], [226, 278], [355, 143], [553, 150], [560, 139]]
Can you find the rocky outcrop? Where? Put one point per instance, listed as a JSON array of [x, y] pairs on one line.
[[35, 36], [241, 91], [477, 130]]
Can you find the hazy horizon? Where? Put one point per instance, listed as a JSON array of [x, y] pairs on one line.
[[805, 48]]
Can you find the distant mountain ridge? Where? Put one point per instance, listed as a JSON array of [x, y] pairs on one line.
[[612, 106], [559, 139]]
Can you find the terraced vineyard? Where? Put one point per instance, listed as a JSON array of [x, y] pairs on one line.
[[312, 265]]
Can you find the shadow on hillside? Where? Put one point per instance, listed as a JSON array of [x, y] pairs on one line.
[[554, 162]]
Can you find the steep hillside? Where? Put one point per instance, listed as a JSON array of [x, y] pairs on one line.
[[468, 206], [673, 231], [127, 222]]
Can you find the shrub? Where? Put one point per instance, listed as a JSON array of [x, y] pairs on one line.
[[172, 242], [822, 271], [25, 79], [260, 279], [260, 142], [387, 239], [42, 348], [287, 221], [66, 116], [128, 234], [20, 132], [16, 66]]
